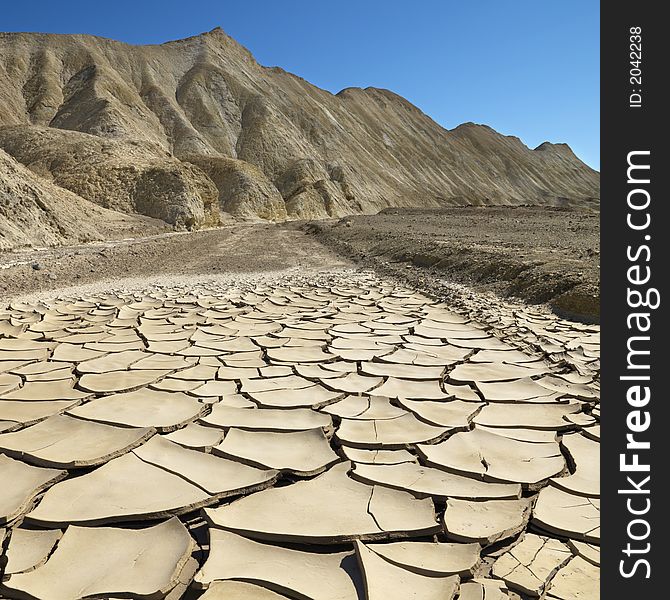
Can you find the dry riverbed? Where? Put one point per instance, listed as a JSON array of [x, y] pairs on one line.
[[536, 254]]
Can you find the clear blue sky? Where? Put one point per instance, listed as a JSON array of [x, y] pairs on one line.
[[528, 68]]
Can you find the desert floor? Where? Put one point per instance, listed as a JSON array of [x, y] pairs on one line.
[[245, 414]]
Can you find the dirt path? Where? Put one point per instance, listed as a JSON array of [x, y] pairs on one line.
[[241, 248]]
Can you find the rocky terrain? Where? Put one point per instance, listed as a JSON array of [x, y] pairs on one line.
[[36, 212], [195, 131], [540, 255]]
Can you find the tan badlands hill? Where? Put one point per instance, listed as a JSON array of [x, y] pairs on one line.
[[195, 130]]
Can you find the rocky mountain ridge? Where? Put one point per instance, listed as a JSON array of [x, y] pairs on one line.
[[195, 131]]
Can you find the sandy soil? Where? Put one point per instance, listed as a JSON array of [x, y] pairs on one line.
[[540, 255]]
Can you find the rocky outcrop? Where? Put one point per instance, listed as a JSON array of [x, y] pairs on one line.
[[124, 175], [243, 189], [35, 212]]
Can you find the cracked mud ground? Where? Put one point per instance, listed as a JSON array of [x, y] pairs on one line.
[[320, 433]]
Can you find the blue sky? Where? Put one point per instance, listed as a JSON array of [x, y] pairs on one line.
[[528, 68]]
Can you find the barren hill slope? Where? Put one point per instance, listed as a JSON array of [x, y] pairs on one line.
[[192, 129], [35, 212]]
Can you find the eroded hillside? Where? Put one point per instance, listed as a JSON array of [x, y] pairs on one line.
[[195, 130]]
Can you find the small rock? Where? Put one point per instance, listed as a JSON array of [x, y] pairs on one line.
[[36, 266]]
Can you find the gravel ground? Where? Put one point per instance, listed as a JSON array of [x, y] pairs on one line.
[[539, 255], [233, 252]]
